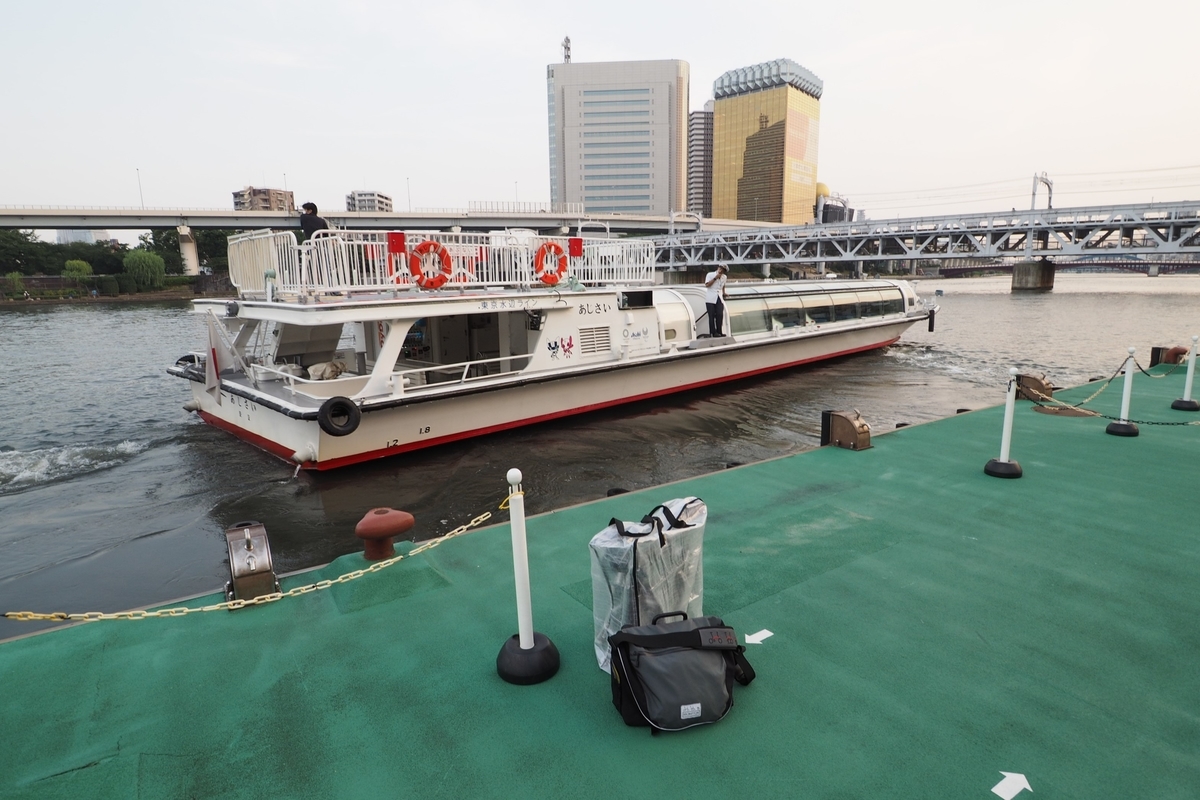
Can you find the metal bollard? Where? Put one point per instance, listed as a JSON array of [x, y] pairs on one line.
[[1187, 403], [1123, 427], [1003, 467], [527, 657]]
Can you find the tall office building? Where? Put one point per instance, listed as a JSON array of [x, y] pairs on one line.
[[359, 200], [618, 135], [700, 150], [70, 236], [255, 199], [765, 133]]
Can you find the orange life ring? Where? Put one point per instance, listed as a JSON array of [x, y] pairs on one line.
[[550, 276], [430, 280]]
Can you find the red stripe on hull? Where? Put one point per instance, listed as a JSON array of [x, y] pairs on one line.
[[253, 438], [345, 461]]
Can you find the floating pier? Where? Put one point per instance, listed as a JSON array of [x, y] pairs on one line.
[[935, 633]]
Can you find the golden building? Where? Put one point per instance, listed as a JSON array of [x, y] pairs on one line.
[[765, 132]]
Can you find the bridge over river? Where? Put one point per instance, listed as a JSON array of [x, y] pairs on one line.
[[1163, 235], [1146, 266], [1153, 238]]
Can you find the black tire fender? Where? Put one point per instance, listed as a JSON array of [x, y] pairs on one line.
[[339, 416]]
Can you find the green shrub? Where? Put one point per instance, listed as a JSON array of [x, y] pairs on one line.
[[108, 285], [76, 269], [15, 284], [147, 268], [179, 280], [126, 283]]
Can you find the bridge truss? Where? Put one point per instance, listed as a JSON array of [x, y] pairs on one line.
[[1158, 230]]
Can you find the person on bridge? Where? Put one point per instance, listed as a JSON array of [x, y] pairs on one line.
[[310, 222], [714, 298]]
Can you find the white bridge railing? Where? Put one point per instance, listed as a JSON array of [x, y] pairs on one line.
[[365, 261]]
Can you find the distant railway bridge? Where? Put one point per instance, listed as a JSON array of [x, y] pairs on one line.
[[1138, 238]]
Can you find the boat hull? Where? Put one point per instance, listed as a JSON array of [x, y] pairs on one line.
[[416, 423]]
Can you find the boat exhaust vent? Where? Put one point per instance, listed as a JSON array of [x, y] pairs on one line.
[[845, 429], [594, 340]]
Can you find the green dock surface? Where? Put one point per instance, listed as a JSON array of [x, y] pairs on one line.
[[933, 627]]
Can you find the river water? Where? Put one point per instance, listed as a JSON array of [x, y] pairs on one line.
[[113, 497]]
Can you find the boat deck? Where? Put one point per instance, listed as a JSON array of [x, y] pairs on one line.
[[933, 627]]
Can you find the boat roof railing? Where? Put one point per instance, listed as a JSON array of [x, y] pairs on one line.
[[371, 261]]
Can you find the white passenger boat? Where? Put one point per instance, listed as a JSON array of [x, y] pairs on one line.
[[359, 345]]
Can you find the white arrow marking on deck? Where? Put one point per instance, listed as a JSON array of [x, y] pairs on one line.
[[757, 638], [1012, 785]]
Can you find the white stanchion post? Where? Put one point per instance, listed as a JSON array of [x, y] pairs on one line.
[[1010, 404], [528, 657], [1123, 427], [1003, 467], [516, 508], [1187, 403]]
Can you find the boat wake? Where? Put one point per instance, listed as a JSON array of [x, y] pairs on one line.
[[22, 469], [960, 366]]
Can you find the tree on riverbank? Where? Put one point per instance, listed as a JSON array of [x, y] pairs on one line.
[[146, 268], [212, 247], [75, 268], [22, 251]]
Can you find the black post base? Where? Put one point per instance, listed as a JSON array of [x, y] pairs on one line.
[[1002, 469], [1122, 429], [526, 667], [1185, 405]]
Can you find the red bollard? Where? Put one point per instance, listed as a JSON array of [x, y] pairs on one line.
[[378, 528]]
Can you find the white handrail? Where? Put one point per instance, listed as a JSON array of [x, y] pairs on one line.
[[361, 261]]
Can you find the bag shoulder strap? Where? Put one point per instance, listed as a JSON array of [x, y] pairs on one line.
[[672, 520], [623, 531], [743, 673]]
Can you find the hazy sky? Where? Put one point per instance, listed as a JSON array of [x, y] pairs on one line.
[[929, 107]]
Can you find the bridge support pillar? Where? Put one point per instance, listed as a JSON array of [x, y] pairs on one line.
[[1154, 270], [1033, 276], [187, 249]]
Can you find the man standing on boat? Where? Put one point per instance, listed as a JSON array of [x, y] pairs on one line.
[[310, 222], [714, 299]]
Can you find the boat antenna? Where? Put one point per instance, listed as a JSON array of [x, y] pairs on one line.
[[566, 46]]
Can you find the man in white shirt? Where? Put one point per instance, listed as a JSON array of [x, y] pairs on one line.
[[714, 282]]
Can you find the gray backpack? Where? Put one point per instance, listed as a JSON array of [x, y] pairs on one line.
[[676, 675]]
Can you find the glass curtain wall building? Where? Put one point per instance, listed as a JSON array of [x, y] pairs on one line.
[[700, 150], [618, 135], [766, 122]]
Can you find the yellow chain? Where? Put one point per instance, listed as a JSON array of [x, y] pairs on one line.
[[1061, 404], [229, 605]]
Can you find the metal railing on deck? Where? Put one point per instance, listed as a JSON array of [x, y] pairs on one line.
[[252, 254], [357, 261]]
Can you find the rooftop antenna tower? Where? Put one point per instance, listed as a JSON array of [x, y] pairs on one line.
[[566, 46]]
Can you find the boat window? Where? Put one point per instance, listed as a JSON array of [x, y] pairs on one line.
[[845, 305], [786, 312], [870, 304], [893, 301], [747, 315], [818, 309]]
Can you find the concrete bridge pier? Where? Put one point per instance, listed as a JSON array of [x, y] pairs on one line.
[[187, 249], [1033, 276]]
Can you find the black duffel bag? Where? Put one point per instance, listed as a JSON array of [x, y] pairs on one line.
[[676, 675]]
